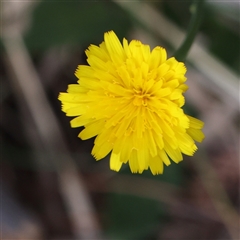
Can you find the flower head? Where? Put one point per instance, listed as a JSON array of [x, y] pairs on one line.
[[131, 99]]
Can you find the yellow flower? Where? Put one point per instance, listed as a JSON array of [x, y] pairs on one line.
[[131, 99]]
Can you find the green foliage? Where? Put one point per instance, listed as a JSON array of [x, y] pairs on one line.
[[135, 217], [132, 217], [220, 24], [74, 23], [223, 41]]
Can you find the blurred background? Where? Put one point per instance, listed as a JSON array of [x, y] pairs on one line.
[[51, 186]]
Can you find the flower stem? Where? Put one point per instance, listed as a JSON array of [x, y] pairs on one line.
[[198, 7]]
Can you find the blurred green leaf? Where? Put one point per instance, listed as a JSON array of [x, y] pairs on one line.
[[17, 156], [223, 41], [173, 174], [74, 23], [132, 217], [220, 26]]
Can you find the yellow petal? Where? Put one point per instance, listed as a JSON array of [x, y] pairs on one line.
[[79, 121], [157, 57], [163, 156], [76, 111], [196, 134], [156, 165], [92, 130], [174, 154], [195, 123], [133, 162], [102, 151], [84, 71], [114, 47], [115, 163], [186, 144], [98, 52]]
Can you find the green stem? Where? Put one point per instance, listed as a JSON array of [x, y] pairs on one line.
[[181, 53]]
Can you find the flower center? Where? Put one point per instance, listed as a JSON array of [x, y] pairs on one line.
[[140, 98]]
